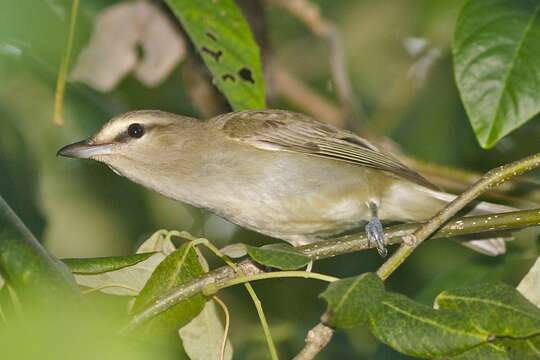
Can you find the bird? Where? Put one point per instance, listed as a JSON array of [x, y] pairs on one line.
[[277, 172]]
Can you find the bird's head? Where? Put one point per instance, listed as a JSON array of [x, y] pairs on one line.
[[137, 144]]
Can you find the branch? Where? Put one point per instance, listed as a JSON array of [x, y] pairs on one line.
[[410, 242], [316, 340], [339, 246], [310, 14], [491, 179], [299, 94]]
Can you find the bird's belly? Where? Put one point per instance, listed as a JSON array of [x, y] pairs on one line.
[[322, 200], [309, 215]]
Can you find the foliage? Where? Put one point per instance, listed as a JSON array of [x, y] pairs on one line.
[[495, 50], [476, 320], [226, 44], [279, 256], [27, 266]]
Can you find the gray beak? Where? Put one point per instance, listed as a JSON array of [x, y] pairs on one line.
[[84, 150]]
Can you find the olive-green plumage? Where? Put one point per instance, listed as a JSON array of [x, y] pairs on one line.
[[277, 172]]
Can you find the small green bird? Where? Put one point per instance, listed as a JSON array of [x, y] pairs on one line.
[[276, 172]]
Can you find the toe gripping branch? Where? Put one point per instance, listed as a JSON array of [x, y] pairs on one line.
[[375, 231]]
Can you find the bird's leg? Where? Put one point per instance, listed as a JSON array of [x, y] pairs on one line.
[[374, 230]]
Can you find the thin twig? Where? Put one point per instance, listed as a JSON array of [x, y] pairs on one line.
[[343, 245], [212, 289], [107, 286], [251, 291], [58, 117], [294, 90], [226, 327], [491, 179], [310, 15]]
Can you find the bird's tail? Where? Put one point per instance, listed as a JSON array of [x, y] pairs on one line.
[[492, 244]]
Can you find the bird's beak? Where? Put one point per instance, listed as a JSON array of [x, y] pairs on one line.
[[84, 150]]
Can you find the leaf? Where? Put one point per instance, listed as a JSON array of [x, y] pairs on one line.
[[466, 320], [279, 256], [418, 330], [103, 63], [203, 336], [530, 285], [18, 170], [130, 280], [223, 38], [104, 264], [349, 300], [127, 281], [495, 308], [178, 268], [158, 242], [496, 48], [34, 273], [234, 251], [528, 348]]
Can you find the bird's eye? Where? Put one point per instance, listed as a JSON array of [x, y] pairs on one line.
[[135, 130]]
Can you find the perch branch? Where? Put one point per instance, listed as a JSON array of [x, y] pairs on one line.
[[342, 245], [316, 340], [491, 179], [410, 242]]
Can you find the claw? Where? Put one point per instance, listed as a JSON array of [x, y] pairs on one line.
[[375, 231]]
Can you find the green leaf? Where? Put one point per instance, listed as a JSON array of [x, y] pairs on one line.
[[26, 264], [223, 37], [104, 264], [496, 49], [203, 336], [279, 256], [129, 281], [505, 349], [418, 330], [176, 269], [469, 320], [18, 171], [350, 300], [498, 309]]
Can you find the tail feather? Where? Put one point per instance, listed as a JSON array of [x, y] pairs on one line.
[[488, 246], [479, 208], [492, 247]]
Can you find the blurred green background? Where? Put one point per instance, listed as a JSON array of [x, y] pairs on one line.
[[82, 209]]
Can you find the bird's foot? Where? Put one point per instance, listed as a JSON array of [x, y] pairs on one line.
[[375, 234]]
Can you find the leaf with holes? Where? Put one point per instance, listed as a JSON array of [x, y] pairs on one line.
[[496, 50], [178, 268], [224, 39], [279, 256]]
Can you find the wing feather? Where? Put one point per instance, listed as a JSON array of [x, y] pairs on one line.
[[288, 131]]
